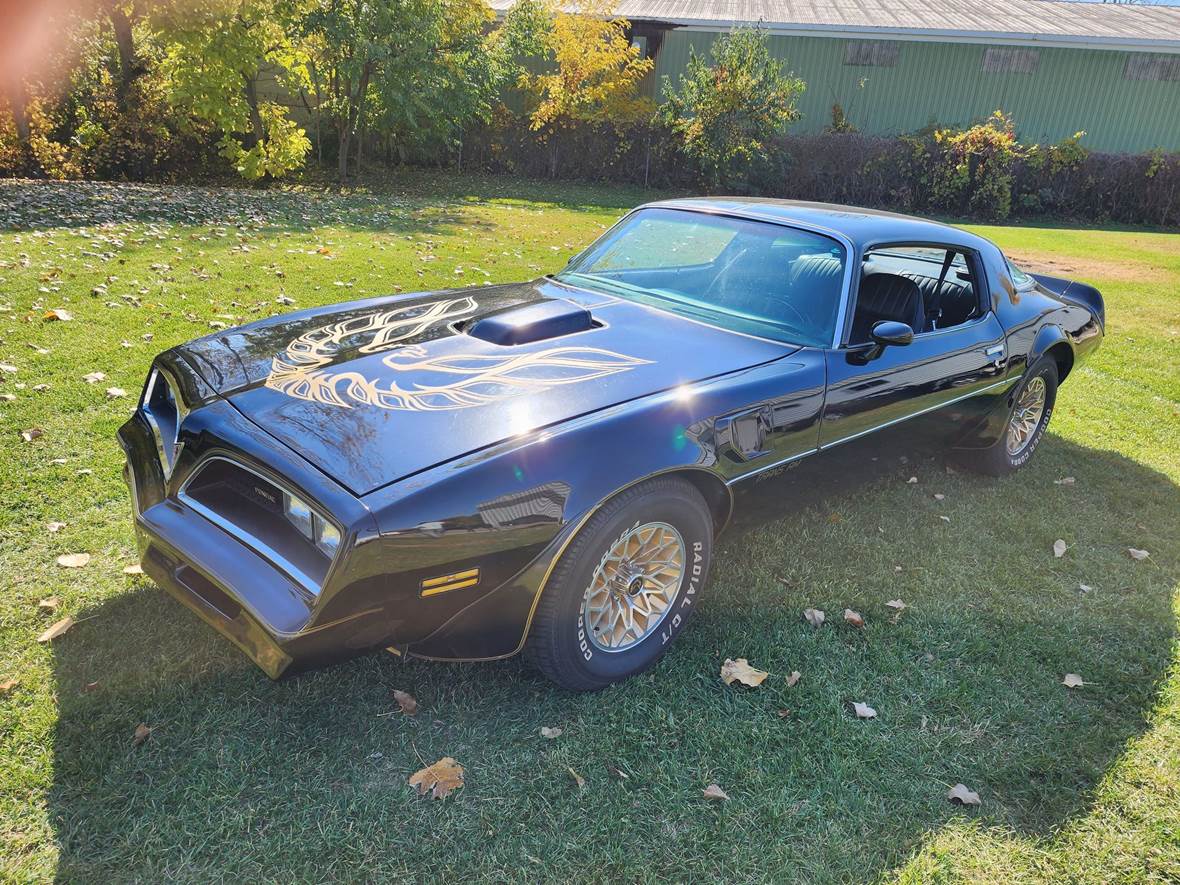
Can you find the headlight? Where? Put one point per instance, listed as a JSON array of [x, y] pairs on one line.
[[298, 513], [327, 537]]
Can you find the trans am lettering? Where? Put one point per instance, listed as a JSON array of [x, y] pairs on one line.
[[462, 380]]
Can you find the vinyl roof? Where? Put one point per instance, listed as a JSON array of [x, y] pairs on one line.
[[1019, 22]]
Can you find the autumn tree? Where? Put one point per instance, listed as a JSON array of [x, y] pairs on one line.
[[594, 75], [727, 110], [215, 56]]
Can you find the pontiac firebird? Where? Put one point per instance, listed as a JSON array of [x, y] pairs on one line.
[[544, 466]]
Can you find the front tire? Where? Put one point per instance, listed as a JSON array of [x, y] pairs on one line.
[[1029, 414], [625, 586]]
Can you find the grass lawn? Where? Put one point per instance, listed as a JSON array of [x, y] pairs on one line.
[[248, 780]]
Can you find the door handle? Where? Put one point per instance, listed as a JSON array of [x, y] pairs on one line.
[[996, 354]]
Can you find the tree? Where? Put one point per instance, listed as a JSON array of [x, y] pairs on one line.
[[216, 52], [726, 113], [595, 75]]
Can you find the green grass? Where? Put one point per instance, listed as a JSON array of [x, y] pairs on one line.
[[305, 780]]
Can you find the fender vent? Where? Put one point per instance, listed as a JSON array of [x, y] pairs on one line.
[[532, 322]]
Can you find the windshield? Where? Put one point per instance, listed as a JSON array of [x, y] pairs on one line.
[[749, 276]]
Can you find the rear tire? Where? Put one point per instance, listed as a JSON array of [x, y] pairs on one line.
[[625, 587], [1028, 416]]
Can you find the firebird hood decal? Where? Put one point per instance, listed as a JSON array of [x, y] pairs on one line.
[[371, 392], [466, 380]]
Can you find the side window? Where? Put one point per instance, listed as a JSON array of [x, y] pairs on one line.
[[1020, 279], [926, 287]]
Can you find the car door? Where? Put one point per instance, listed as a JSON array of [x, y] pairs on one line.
[[870, 388]]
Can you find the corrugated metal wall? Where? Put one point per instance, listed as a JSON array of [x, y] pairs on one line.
[[1071, 89]]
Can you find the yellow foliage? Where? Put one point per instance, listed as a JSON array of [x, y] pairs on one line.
[[596, 71]]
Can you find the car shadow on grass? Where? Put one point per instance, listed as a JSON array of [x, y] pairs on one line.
[[305, 779]]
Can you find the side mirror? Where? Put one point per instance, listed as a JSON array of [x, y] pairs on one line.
[[888, 333]]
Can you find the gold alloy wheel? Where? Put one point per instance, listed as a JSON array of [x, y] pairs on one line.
[[633, 587], [1026, 416]]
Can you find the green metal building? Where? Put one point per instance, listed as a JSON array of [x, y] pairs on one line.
[[897, 65]]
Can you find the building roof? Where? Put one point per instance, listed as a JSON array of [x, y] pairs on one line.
[[1012, 22]]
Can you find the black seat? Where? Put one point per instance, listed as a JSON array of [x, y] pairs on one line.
[[949, 305], [886, 296]]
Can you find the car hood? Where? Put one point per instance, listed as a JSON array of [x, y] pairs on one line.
[[373, 391]]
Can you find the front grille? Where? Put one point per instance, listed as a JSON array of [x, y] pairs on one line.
[[249, 506]]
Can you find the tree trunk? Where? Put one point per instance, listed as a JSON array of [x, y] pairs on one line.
[[257, 132], [129, 66]]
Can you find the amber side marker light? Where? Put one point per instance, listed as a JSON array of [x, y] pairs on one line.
[[444, 583]]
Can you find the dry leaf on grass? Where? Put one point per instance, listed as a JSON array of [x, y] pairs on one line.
[[56, 630], [7, 686], [1073, 680], [813, 616], [49, 603], [1059, 548], [94, 377], [550, 733], [115, 392], [578, 779], [54, 527], [73, 560], [863, 711], [405, 700], [31, 434], [58, 313], [1137, 555], [853, 618], [141, 734], [741, 671], [794, 678], [438, 779], [714, 793], [1064, 481], [617, 772], [134, 569], [960, 793], [896, 605]]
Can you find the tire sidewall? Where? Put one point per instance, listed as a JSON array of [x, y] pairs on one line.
[[1047, 370], [573, 645]]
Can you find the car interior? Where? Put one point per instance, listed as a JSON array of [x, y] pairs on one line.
[[928, 288]]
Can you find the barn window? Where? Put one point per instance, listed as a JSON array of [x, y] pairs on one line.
[[1160, 68], [871, 53], [1005, 60]]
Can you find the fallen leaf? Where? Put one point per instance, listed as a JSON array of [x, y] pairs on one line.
[[853, 618], [912, 480], [134, 569], [407, 702], [813, 616], [1059, 548], [438, 779], [115, 392], [94, 377], [578, 779], [1137, 555], [49, 603], [945, 518], [73, 560], [896, 605], [1073, 680], [55, 527], [90, 686], [784, 713], [56, 630], [58, 313], [1085, 588], [863, 711], [959, 793], [714, 793], [1064, 481], [31, 434], [617, 772], [142, 733], [741, 671], [794, 678], [550, 733], [7, 686], [939, 497]]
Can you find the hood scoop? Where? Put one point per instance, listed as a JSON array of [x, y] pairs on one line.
[[525, 324]]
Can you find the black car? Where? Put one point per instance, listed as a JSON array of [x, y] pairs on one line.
[[544, 466]]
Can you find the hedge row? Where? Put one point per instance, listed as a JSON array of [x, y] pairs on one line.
[[977, 173]]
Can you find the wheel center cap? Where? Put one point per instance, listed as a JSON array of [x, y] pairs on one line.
[[635, 587]]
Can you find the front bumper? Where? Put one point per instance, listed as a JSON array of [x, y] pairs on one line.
[[248, 599]]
